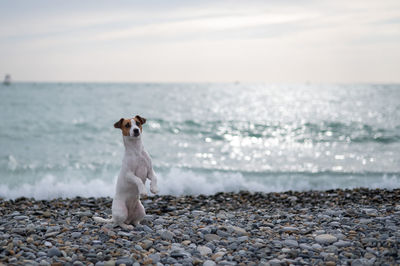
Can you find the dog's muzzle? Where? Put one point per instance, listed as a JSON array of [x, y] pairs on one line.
[[136, 132]]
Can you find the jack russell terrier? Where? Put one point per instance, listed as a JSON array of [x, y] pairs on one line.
[[136, 168]]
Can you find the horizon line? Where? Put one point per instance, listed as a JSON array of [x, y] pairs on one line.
[[237, 82]]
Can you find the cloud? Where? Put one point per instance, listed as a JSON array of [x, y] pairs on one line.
[[209, 41]]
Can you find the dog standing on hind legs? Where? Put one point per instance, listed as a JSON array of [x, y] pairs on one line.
[[136, 168]]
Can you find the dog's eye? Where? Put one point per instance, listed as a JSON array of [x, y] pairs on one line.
[[137, 123], [128, 125]]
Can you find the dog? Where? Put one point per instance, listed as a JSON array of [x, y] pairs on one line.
[[136, 169]]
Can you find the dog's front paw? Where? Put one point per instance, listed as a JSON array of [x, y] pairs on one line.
[[153, 188], [143, 193]]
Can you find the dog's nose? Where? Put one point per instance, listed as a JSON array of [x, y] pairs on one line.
[[136, 131]]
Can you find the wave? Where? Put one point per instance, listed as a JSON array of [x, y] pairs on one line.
[[325, 131], [178, 181]]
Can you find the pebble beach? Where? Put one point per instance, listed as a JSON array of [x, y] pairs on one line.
[[335, 227]]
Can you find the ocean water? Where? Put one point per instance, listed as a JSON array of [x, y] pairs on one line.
[[58, 139]]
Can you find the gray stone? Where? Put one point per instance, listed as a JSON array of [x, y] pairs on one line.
[[41, 254], [342, 244], [316, 246], [44, 263], [167, 235], [209, 263], [179, 253], [222, 233], [146, 244], [204, 250], [211, 237], [275, 262], [29, 255], [53, 252], [289, 229], [155, 257], [21, 217], [109, 263], [53, 229], [51, 234], [335, 224], [126, 261], [138, 248], [325, 239], [291, 243], [239, 231], [82, 214], [361, 262], [124, 234], [197, 213], [147, 229], [305, 246], [242, 238], [76, 234]]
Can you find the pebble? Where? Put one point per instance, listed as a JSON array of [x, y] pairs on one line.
[[316, 247], [239, 231], [155, 258], [109, 263], [290, 229], [124, 261], [342, 244], [146, 244], [204, 250], [21, 217], [76, 234], [291, 243], [336, 227], [325, 239], [209, 263], [167, 235], [53, 252], [211, 237]]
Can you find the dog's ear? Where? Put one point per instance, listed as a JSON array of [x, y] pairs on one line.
[[119, 123], [141, 119]]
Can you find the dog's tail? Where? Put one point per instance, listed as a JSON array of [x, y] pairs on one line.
[[102, 220]]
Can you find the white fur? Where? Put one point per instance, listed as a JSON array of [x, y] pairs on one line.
[[133, 126], [136, 168]]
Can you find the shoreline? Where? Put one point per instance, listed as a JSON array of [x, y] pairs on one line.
[[334, 227]]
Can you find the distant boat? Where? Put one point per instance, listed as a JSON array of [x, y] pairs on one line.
[[7, 80]]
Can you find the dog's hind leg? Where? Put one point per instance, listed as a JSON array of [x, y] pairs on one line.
[[138, 213], [120, 214]]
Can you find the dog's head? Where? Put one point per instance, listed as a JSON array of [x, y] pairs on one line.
[[131, 127]]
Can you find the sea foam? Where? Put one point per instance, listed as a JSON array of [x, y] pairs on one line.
[[177, 181]]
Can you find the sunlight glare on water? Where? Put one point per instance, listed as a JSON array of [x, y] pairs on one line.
[[309, 134]]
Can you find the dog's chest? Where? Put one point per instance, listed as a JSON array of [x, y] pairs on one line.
[[138, 165]]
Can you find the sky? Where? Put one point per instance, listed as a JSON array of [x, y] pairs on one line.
[[289, 41]]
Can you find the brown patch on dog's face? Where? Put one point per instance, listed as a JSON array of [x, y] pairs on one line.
[[131, 127]]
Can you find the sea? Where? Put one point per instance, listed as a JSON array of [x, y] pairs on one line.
[[57, 140]]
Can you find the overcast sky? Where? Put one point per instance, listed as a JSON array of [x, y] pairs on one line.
[[201, 41]]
